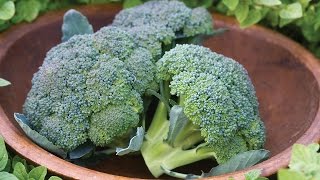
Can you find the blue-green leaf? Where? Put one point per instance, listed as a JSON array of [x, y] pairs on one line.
[[291, 11], [134, 144], [74, 23], [7, 10], [36, 137], [178, 121], [3, 154], [7, 176], [240, 161], [38, 173], [82, 150], [20, 171], [4, 82]]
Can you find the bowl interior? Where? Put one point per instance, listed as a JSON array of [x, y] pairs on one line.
[[287, 91]]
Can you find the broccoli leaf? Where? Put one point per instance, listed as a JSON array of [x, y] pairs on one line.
[[4, 82], [240, 161], [36, 137], [178, 120], [74, 23], [3, 154], [82, 150], [134, 144]]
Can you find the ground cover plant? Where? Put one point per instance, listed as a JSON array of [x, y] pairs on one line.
[[97, 90]]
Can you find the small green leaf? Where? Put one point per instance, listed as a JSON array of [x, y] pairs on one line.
[[286, 174], [134, 144], [82, 150], [178, 120], [254, 175], [7, 176], [36, 137], [8, 166], [3, 154], [231, 4], [7, 10], [74, 23], [268, 2], [54, 178], [240, 161], [26, 11], [4, 82], [253, 17], [291, 11], [20, 171], [38, 173], [16, 159], [242, 11], [131, 3]]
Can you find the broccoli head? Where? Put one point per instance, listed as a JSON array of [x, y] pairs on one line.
[[84, 84], [219, 101], [159, 25]]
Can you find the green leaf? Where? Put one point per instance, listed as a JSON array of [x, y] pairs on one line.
[[16, 159], [286, 174], [134, 144], [254, 175], [240, 161], [231, 4], [3, 154], [7, 176], [7, 10], [26, 10], [291, 11], [74, 23], [131, 3], [20, 171], [242, 11], [178, 120], [253, 17], [4, 82], [54, 178], [268, 2], [8, 166], [36, 137], [38, 173], [82, 150]]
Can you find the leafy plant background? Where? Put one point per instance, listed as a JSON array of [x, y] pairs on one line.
[[297, 19]]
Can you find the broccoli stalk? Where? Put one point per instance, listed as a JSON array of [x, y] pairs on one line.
[[159, 154]]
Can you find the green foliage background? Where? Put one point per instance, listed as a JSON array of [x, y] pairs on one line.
[[298, 19]]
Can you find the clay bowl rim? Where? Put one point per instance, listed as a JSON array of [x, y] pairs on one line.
[[38, 155]]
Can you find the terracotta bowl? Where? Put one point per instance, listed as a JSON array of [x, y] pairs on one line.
[[285, 75]]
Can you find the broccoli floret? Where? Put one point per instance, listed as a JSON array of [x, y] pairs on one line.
[[219, 100], [112, 123], [159, 25], [81, 80]]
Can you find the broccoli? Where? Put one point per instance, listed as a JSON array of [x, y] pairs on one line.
[[97, 88], [219, 102], [160, 24], [87, 82]]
